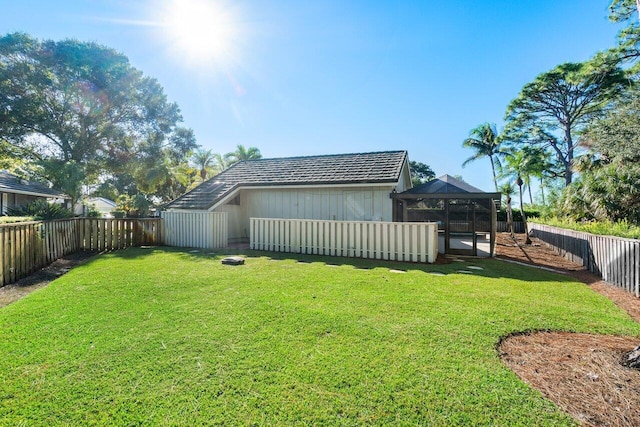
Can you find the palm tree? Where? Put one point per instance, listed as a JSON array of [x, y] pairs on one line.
[[242, 153], [484, 140], [220, 162], [507, 191], [203, 160], [520, 164]]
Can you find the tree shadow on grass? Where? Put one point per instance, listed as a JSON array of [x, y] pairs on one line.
[[481, 267]]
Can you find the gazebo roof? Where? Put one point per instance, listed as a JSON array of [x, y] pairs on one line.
[[448, 187], [444, 184]]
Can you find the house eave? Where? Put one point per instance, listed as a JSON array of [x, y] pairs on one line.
[[34, 193]]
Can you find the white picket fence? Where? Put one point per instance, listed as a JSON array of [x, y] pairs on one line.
[[207, 230], [399, 241]]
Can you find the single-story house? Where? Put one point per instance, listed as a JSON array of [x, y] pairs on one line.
[[15, 192], [100, 204], [328, 187]]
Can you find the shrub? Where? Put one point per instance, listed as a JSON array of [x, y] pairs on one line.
[[517, 215], [14, 219], [40, 209]]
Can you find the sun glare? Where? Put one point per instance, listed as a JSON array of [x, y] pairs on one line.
[[200, 31]]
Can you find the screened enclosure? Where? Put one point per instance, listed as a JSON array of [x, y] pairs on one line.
[[466, 216]]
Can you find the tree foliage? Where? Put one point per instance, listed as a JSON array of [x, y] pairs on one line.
[[242, 153], [420, 173], [204, 161], [550, 111], [610, 172], [484, 140], [628, 46], [84, 104]]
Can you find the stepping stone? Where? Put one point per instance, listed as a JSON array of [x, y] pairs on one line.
[[194, 251], [465, 271], [474, 267], [211, 253], [233, 260], [459, 260], [396, 271]]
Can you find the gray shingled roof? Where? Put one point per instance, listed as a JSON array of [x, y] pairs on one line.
[[446, 184], [9, 183], [361, 168]]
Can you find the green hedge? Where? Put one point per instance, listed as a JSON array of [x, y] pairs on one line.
[[517, 216], [603, 228]]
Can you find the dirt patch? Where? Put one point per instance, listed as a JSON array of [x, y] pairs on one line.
[[42, 277], [581, 373]]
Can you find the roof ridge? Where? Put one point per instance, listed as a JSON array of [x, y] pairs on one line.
[[315, 156]]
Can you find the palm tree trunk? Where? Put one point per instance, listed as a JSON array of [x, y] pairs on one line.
[[493, 170], [510, 218], [524, 216]]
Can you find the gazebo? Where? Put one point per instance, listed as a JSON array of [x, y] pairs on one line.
[[466, 216]]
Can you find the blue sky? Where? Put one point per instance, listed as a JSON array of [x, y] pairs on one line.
[[322, 77]]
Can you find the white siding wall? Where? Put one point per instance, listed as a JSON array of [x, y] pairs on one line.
[[404, 183], [341, 204], [237, 221]]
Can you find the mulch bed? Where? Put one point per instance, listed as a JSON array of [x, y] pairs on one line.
[[581, 373]]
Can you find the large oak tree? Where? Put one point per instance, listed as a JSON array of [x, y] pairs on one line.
[[83, 105]]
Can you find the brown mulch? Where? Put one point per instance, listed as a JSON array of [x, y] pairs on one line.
[[581, 373], [42, 277]]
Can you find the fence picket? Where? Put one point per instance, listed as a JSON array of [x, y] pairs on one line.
[[25, 247], [362, 239], [615, 259], [207, 230]]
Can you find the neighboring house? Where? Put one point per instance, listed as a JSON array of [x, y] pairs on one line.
[[15, 192], [330, 187], [100, 204]]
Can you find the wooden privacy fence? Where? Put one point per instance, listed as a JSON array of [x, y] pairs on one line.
[[28, 246], [196, 229], [399, 241], [615, 259], [98, 234]]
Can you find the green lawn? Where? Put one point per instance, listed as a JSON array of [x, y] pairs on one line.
[[163, 337]]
